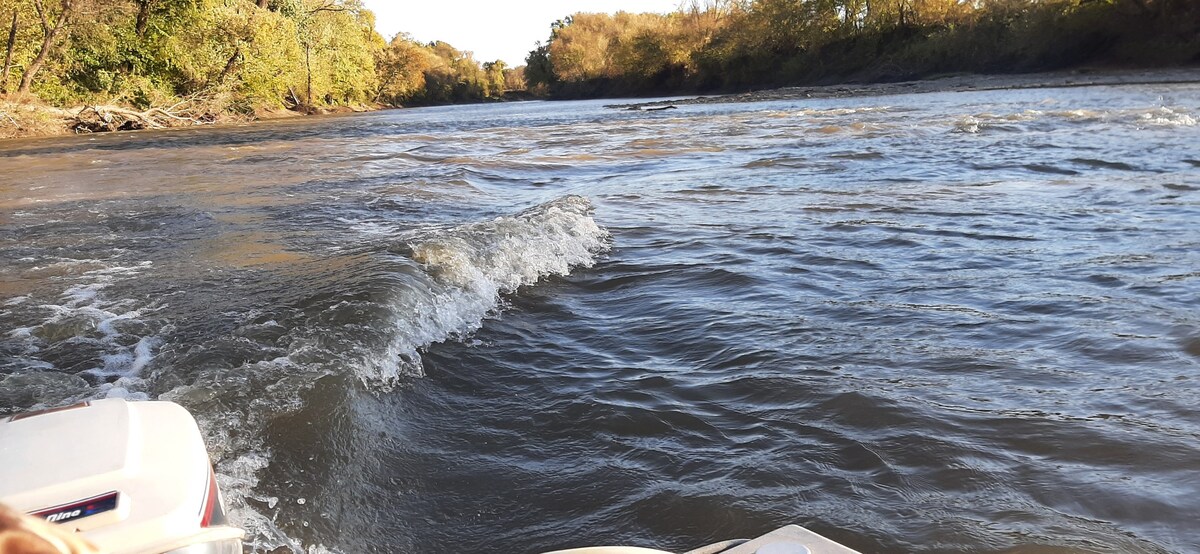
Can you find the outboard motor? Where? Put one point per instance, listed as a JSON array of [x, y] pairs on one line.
[[129, 477]]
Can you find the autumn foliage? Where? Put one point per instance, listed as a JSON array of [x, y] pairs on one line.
[[739, 44], [222, 56]]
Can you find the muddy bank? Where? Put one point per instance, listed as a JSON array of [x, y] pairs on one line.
[[31, 119], [949, 83], [20, 119]]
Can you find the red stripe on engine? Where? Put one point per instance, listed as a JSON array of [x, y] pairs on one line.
[[210, 503]]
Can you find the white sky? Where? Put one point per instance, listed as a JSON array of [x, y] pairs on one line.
[[492, 29]]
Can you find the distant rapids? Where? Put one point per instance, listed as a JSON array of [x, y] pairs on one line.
[[937, 322]]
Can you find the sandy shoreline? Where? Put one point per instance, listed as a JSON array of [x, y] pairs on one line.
[[952, 83]]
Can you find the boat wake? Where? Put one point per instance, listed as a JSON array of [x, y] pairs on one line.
[[429, 286], [361, 316]]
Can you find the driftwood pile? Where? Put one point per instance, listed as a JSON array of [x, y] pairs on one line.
[[20, 117], [96, 119]]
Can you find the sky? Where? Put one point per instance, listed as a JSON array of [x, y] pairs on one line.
[[492, 29]]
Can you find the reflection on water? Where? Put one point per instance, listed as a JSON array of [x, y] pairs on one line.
[[245, 249], [936, 323]]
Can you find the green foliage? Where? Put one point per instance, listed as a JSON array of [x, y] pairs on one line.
[[271, 65], [494, 76], [303, 53], [28, 38], [538, 71]]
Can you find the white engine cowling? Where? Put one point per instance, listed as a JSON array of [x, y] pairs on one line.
[[131, 477]]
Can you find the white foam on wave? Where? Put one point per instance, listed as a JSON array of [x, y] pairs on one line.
[[834, 112], [472, 266], [127, 364], [83, 294], [55, 263], [85, 314], [968, 124], [232, 420], [15, 301], [21, 333], [1080, 114], [369, 227], [129, 388], [1164, 116], [237, 478]]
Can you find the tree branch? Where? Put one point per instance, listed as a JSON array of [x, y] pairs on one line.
[[328, 6], [41, 11]]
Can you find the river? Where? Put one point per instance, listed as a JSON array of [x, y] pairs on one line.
[[937, 322]]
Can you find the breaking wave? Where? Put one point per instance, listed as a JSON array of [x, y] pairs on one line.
[[445, 282], [1162, 116], [1168, 117], [471, 266], [367, 320]]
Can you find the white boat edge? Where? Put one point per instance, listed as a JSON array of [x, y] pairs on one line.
[[790, 539]]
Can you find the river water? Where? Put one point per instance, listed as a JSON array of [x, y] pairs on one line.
[[921, 323]]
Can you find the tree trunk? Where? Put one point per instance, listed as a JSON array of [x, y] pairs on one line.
[[8, 54], [237, 53], [308, 67], [47, 42], [263, 3], [36, 64], [386, 82], [143, 17]]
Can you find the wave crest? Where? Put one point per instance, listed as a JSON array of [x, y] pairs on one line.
[[471, 266], [503, 254]]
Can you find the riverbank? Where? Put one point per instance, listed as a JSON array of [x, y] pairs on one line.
[[32, 119], [947, 83]]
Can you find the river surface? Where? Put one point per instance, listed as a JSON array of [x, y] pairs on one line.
[[921, 323]]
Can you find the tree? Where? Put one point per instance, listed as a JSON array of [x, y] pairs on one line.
[[401, 67], [8, 54], [579, 50], [337, 38], [538, 69], [142, 22], [50, 32], [494, 72], [514, 79]]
